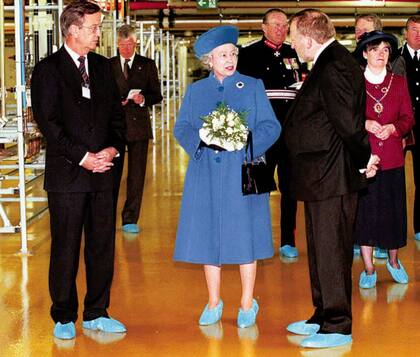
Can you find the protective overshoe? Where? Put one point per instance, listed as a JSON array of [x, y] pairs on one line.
[[324, 340], [105, 324], [130, 228], [288, 251], [379, 253], [247, 318], [303, 328], [211, 316], [367, 281], [65, 331], [399, 275]]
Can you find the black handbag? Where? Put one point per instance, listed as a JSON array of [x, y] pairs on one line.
[[256, 176]]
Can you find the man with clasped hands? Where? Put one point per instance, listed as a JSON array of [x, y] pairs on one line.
[[77, 106]]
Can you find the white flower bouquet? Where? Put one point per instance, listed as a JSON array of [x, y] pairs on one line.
[[225, 128]]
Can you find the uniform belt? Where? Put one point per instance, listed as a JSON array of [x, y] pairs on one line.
[[281, 93]]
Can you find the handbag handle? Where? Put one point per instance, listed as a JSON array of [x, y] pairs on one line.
[[251, 149]]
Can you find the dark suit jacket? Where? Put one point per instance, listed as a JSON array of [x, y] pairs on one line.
[[324, 130], [73, 125], [143, 75], [413, 78]]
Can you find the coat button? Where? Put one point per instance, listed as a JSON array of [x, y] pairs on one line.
[[221, 89], [217, 159], [380, 144], [134, 119]]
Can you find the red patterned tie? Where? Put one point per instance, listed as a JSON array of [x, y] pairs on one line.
[[82, 70]]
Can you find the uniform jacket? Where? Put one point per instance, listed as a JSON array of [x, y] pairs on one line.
[[73, 125], [397, 110], [142, 75], [218, 225], [324, 130], [277, 72], [413, 79]]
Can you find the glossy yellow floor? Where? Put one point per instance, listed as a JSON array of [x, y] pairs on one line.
[[160, 301]]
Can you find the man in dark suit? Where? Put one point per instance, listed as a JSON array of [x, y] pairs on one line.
[[76, 104], [137, 74], [327, 146], [411, 54]]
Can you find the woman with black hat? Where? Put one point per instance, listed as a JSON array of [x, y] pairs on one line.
[[382, 214], [218, 225]]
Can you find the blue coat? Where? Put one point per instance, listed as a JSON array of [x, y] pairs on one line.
[[217, 224]]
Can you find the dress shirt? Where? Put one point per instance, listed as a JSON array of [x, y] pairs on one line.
[[75, 57], [130, 63], [322, 48], [411, 51]]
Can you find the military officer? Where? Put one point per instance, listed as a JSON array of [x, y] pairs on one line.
[[411, 53], [277, 64]]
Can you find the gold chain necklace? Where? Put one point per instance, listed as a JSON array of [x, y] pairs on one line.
[[378, 107]]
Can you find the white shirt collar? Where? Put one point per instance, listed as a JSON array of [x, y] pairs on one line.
[[375, 78], [130, 63], [322, 48], [75, 57], [411, 51]]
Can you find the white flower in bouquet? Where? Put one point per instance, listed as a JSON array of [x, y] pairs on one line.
[[225, 127]]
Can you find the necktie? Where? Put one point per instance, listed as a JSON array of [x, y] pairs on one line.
[[415, 58], [82, 70], [126, 68]]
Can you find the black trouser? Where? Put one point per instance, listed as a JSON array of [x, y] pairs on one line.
[[70, 214], [415, 151], [275, 157], [329, 234], [137, 163]]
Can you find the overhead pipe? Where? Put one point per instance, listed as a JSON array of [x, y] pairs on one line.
[[251, 24], [148, 5], [178, 4]]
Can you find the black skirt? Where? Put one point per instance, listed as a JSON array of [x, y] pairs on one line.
[[381, 219]]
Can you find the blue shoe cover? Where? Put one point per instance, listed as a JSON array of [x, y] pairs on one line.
[[367, 281], [65, 331], [247, 318], [325, 340], [211, 316], [105, 324], [379, 253], [303, 328], [130, 228], [399, 275], [288, 251]]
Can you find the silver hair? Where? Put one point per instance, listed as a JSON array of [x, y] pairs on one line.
[[206, 58]]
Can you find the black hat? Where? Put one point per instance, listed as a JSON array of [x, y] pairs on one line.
[[369, 37]]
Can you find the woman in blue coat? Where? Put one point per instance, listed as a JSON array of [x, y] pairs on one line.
[[218, 225]]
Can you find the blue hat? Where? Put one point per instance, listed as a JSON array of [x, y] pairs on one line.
[[369, 37], [215, 37]]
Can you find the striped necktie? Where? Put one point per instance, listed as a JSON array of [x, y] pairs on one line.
[[126, 68], [82, 70]]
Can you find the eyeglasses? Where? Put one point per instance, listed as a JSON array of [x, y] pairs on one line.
[[93, 29], [279, 25]]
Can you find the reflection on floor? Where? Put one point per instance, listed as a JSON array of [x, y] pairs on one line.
[[160, 301]]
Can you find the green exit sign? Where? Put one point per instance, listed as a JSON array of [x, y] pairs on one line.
[[207, 4]]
